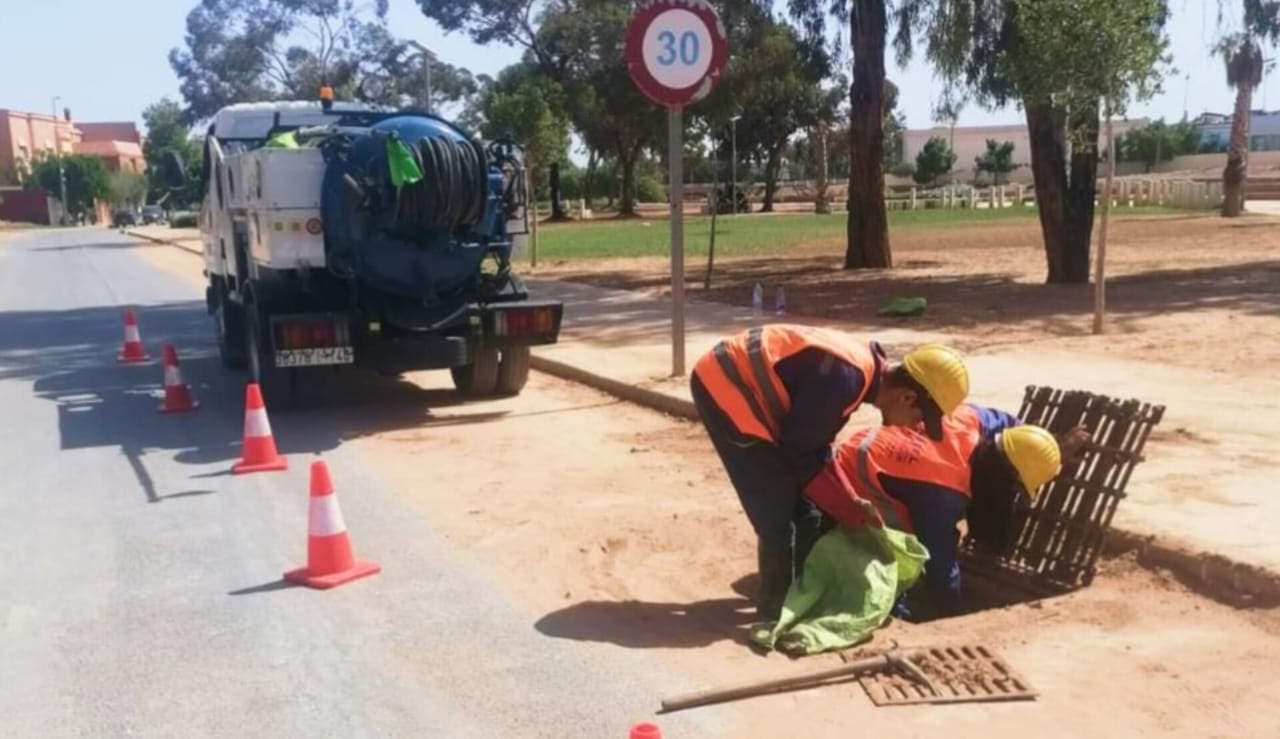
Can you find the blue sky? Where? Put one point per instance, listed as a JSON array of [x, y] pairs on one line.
[[109, 60]]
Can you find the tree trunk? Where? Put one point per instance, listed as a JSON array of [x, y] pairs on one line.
[[558, 213], [588, 194], [821, 202], [771, 176], [1064, 205], [1082, 191], [868, 230], [627, 202], [1233, 175], [1049, 171]]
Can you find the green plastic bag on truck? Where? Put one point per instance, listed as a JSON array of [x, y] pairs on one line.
[[402, 163], [283, 140]]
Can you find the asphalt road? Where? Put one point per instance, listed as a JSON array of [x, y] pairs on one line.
[[141, 592]]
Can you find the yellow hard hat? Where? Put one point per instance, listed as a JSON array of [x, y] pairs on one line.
[[940, 370], [1034, 453]]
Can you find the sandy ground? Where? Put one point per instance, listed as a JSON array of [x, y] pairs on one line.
[[1176, 285], [617, 525]]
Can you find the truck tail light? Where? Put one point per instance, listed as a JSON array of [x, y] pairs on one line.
[[310, 332], [515, 322]]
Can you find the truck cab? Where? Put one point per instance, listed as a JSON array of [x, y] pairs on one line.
[[321, 253]]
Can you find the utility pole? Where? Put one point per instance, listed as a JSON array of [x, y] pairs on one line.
[[427, 57], [733, 165], [57, 150]]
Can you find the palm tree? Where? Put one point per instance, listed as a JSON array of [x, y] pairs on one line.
[[1244, 63], [1242, 53]]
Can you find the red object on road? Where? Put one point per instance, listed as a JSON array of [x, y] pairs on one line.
[[259, 453], [132, 351], [646, 731], [177, 394], [330, 561]]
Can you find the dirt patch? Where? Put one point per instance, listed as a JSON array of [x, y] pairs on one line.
[[1176, 285]]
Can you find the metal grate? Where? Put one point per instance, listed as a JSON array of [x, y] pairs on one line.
[[959, 674], [1059, 538]]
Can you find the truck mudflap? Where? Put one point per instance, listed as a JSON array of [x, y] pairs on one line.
[[526, 323]]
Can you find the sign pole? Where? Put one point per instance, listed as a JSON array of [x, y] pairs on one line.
[[675, 190], [675, 51]]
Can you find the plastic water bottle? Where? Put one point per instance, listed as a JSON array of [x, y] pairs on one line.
[[780, 301], [757, 301]]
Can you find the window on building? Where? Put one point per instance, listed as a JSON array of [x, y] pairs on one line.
[[1265, 142]]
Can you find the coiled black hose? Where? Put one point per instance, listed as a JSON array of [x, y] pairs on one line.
[[451, 194]]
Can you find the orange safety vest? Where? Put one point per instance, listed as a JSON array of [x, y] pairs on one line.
[[739, 373], [849, 487]]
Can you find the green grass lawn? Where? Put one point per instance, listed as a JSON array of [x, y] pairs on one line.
[[749, 234]]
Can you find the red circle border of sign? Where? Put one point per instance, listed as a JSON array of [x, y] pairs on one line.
[[634, 53]]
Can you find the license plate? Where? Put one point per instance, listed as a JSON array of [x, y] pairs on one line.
[[315, 357]]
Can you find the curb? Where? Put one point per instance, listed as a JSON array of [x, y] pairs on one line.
[[651, 399], [1212, 575], [166, 242]]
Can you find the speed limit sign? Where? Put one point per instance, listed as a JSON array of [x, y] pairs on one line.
[[675, 51]]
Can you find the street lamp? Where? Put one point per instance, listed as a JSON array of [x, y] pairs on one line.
[[427, 57], [733, 165], [57, 151]]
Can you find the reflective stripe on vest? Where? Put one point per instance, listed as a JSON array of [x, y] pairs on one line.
[[870, 485], [760, 368], [731, 371]]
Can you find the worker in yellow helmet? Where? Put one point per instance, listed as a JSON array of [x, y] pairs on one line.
[[773, 399], [986, 465]]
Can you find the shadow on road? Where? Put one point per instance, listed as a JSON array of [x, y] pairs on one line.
[[641, 625], [70, 358], [266, 587], [107, 246]]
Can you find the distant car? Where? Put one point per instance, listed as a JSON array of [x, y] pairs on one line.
[[124, 217], [152, 214]]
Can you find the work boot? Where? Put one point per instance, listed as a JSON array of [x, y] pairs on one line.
[[775, 580]]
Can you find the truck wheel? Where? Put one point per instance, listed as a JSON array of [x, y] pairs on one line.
[[278, 385], [480, 378], [229, 322], [513, 370]]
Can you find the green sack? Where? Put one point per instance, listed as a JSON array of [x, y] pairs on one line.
[[402, 164], [283, 140], [903, 306], [850, 583]]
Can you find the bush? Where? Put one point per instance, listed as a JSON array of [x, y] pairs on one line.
[[183, 220], [903, 169], [649, 190]]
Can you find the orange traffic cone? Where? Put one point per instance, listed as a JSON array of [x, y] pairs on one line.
[[329, 559], [177, 394], [646, 731], [259, 453], [132, 350]]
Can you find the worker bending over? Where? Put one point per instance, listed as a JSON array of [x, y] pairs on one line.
[[774, 398], [986, 465]]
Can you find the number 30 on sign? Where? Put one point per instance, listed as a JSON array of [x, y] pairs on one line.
[[675, 51]]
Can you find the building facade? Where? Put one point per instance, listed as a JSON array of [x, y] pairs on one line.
[[970, 142], [1215, 130], [27, 136]]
